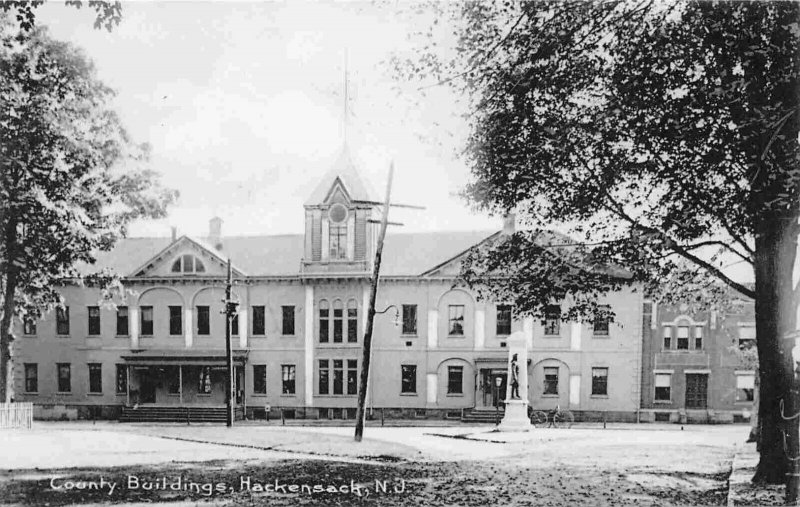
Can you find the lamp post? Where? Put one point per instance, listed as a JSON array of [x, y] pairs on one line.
[[497, 382]]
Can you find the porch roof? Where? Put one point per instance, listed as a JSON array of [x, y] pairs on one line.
[[185, 357]]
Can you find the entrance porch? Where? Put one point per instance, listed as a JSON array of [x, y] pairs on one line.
[[181, 385]]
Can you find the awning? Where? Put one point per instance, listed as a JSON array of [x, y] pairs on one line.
[[184, 357]]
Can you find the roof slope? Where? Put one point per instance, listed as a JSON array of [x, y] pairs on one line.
[[345, 170], [406, 254]]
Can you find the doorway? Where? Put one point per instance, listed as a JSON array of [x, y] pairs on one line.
[[491, 395], [696, 390], [147, 388]]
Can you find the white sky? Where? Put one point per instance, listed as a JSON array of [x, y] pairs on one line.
[[242, 105]]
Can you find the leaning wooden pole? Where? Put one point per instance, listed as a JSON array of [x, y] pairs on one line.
[[228, 351], [367, 348]]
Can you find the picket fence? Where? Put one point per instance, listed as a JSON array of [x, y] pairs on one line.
[[16, 415]]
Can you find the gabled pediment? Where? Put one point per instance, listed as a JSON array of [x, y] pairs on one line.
[[186, 257], [452, 266], [338, 194]]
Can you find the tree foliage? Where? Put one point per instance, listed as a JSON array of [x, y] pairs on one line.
[[71, 179], [661, 136], [107, 14]]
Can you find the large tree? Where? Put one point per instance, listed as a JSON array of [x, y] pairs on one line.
[[71, 179], [656, 134]]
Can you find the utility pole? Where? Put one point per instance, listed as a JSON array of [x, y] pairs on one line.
[[365, 357], [230, 311]]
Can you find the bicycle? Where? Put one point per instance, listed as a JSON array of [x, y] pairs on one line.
[[556, 418]]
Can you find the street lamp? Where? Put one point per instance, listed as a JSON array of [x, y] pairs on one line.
[[497, 382], [396, 320]]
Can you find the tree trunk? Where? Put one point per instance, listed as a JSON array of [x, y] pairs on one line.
[[7, 320], [755, 421], [775, 251]]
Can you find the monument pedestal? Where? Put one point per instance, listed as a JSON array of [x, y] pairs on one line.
[[516, 417]]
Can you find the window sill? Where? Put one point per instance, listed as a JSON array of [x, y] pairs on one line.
[[31, 393], [456, 336], [663, 402], [409, 335], [94, 394], [599, 396], [601, 336], [551, 395], [334, 396], [63, 336], [551, 336], [409, 394], [64, 393], [259, 395], [288, 396], [455, 395]]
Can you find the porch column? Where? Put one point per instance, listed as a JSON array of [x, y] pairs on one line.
[[188, 322], [128, 384], [243, 328], [180, 384], [480, 327], [433, 328], [133, 325], [308, 375]]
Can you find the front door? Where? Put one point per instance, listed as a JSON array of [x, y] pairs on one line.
[[499, 392], [147, 389], [491, 394], [696, 390]]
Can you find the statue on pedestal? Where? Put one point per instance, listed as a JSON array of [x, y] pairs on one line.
[[516, 417]]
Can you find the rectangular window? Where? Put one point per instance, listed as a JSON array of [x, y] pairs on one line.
[[31, 378], [698, 337], [503, 320], [602, 320], [287, 320], [259, 320], [338, 376], [287, 378], [745, 387], [663, 387], [552, 320], [667, 337], [683, 338], [175, 320], [260, 378], [352, 322], [29, 326], [456, 320], [95, 378], [338, 321], [455, 379], [204, 382], [122, 321], [235, 324], [352, 376], [551, 380], [747, 336], [122, 379], [147, 320], [174, 380], [599, 381], [203, 320], [409, 319], [64, 375], [94, 320], [324, 377], [408, 379], [62, 320], [324, 320], [338, 241]]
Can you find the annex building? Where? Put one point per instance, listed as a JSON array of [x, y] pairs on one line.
[[297, 339]]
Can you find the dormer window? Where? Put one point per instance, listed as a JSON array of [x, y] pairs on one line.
[[337, 216], [188, 264]]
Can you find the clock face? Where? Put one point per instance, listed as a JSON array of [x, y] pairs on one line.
[[337, 214]]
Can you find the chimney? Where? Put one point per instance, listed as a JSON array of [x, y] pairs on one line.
[[215, 232], [174, 233], [509, 224]]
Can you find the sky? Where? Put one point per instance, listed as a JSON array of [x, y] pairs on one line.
[[242, 106]]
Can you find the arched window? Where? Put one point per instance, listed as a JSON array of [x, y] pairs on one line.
[[324, 319], [338, 321], [352, 321], [188, 264]]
